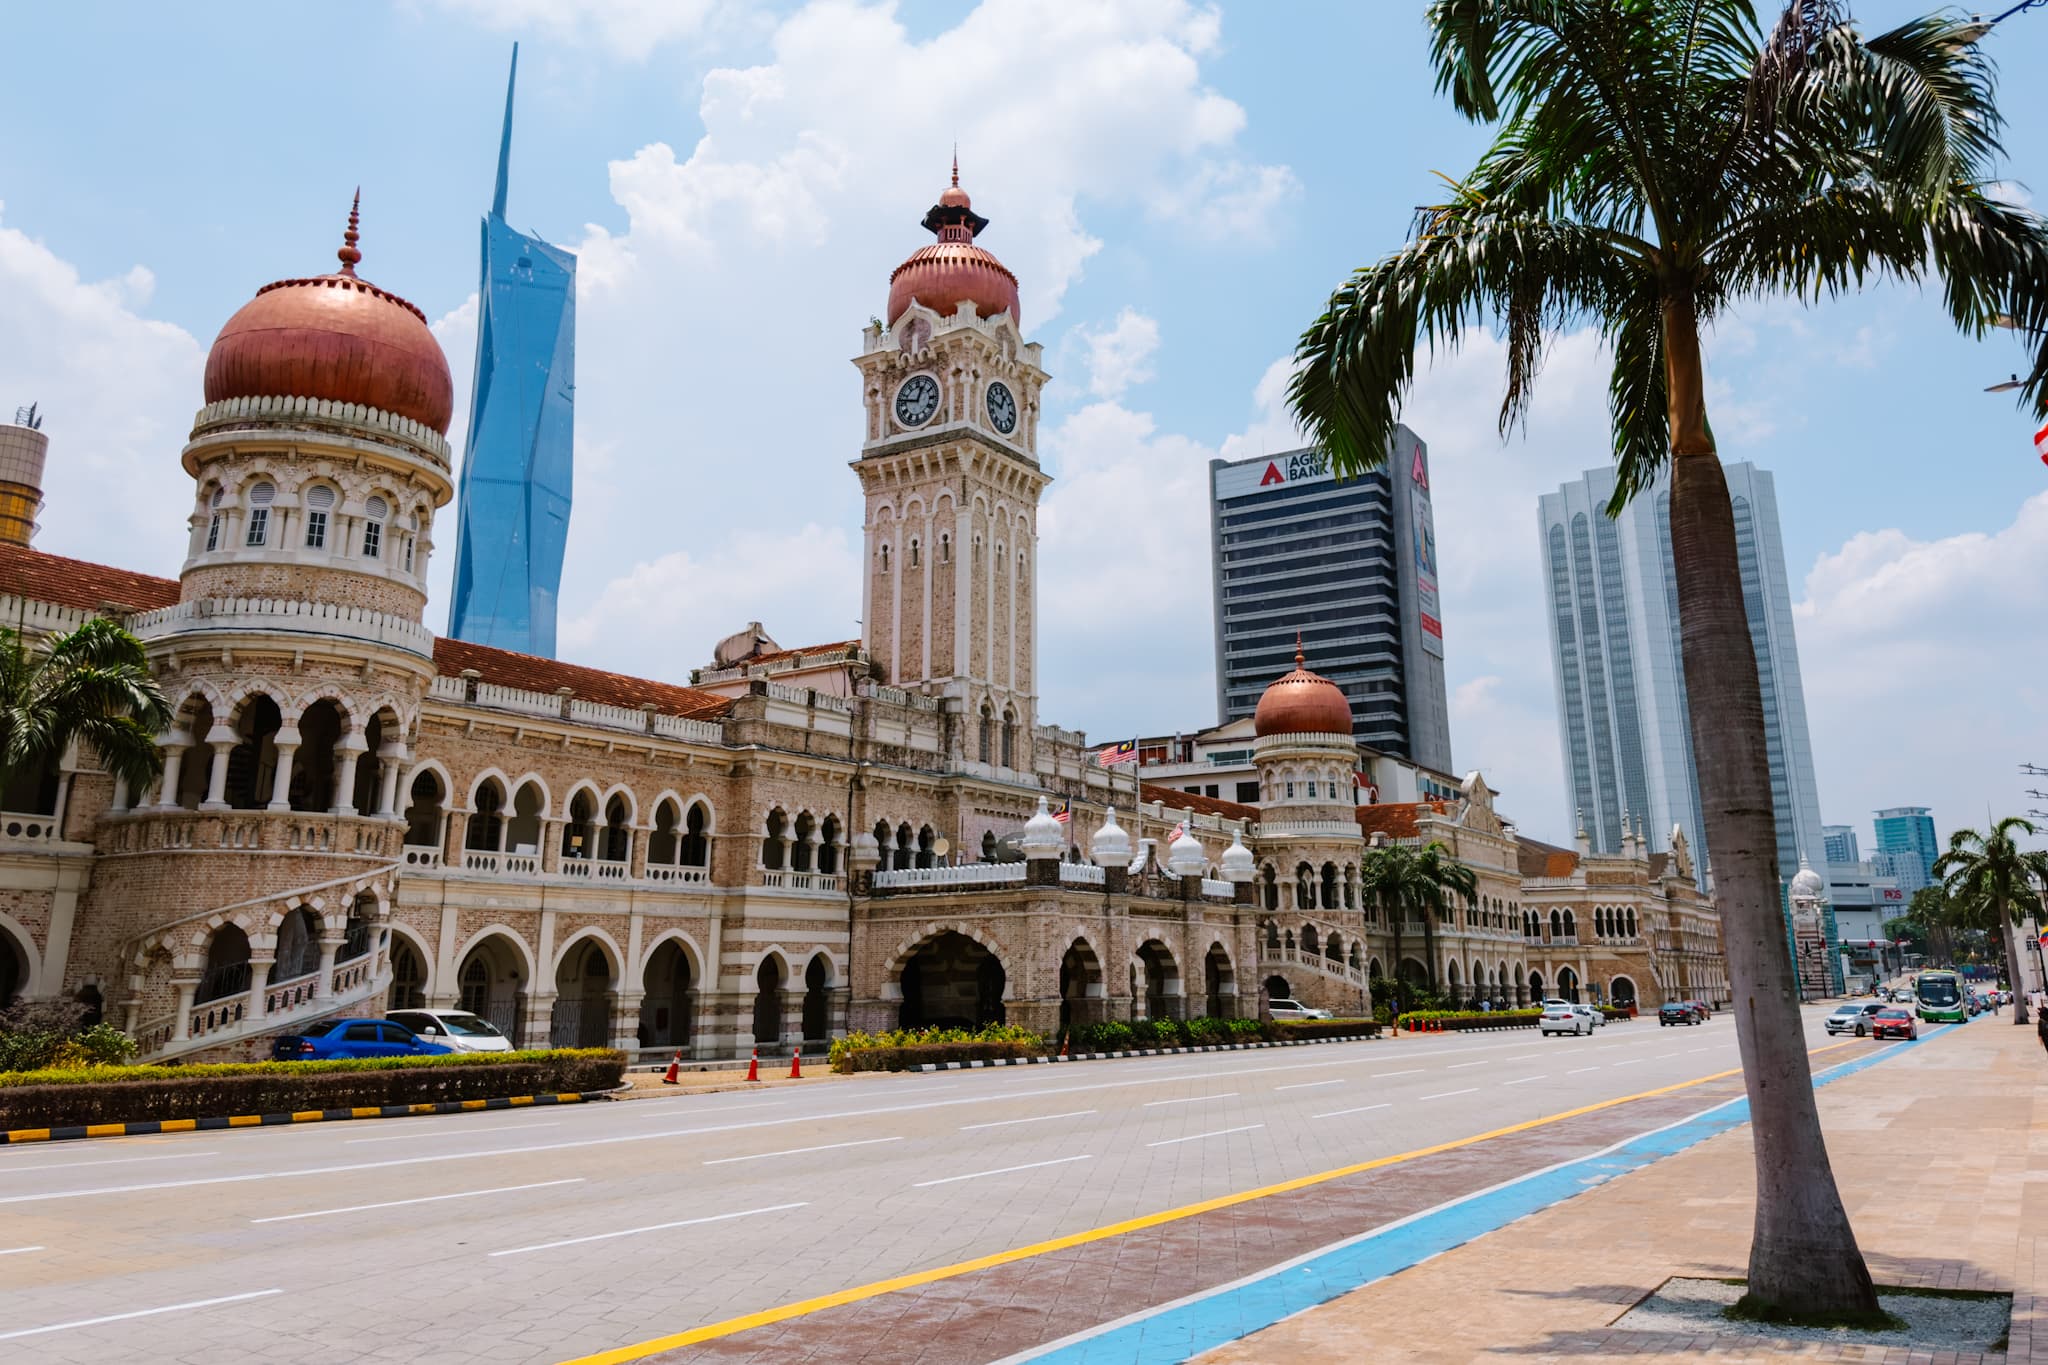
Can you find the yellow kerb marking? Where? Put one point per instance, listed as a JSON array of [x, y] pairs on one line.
[[244, 1120], [106, 1130], [518, 1100], [308, 1115], [366, 1111], [472, 1105], [805, 1307], [179, 1125], [27, 1135]]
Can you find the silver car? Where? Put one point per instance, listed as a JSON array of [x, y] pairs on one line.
[[1563, 1018], [457, 1029]]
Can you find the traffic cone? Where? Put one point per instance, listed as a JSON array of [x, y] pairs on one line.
[[796, 1063], [675, 1067], [1065, 1038], [754, 1066]]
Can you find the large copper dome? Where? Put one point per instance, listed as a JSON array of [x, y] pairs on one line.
[[953, 270], [1302, 703], [335, 337]]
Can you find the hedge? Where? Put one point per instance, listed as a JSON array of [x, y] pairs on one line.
[[1282, 1030], [59, 1098], [1458, 1021], [909, 1055], [903, 1050]]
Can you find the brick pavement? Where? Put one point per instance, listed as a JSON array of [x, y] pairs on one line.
[[1937, 1154]]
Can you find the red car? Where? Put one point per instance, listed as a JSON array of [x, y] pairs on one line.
[[1894, 1023]]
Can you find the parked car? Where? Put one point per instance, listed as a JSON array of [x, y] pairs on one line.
[[458, 1030], [1893, 1022], [1676, 1012], [1854, 1018], [1563, 1017], [1294, 1009], [340, 1038]]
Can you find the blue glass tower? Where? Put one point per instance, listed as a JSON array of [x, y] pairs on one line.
[[518, 465]]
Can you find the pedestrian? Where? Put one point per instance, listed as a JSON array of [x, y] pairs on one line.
[[2041, 1027], [1996, 999]]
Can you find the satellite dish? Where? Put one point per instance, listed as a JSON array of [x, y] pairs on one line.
[[942, 848]]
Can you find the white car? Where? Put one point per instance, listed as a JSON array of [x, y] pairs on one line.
[[1294, 1009], [456, 1029], [1560, 1017], [1593, 1015]]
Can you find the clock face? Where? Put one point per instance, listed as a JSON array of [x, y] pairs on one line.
[[917, 400], [1002, 407]]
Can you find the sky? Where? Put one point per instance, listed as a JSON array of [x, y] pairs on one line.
[[1178, 187]]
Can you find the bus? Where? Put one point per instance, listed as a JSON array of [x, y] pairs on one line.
[[1938, 997]]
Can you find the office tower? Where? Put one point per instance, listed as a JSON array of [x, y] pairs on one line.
[[513, 518], [1840, 842], [1621, 693], [1906, 846], [1350, 565]]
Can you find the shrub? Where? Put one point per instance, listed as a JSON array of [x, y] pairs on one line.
[[32, 1032], [1455, 1021], [60, 1097], [858, 1042], [1110, 1035], [902, 1057], [1287, 1029]]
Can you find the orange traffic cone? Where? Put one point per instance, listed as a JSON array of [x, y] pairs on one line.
[[796, 1063], [754, 1066], [675, 1066], [1065, 1038]]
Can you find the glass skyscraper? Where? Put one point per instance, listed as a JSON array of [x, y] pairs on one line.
[[1612, 600], [1906, 846], [518, 464], [1351, 565]]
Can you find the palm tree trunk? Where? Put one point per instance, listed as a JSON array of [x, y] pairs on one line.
[[1429, 946], [2011, 945], [1803, 1254], [1394, 913]]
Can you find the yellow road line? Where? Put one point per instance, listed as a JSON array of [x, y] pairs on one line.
[[805, 1307]]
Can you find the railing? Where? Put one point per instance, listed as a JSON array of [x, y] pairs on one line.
[[659, 872], [967, 874], [500, 864], [1276, 829], [226, 411], [1082, 874], [150, 828], [896, 696], [41, 829], [281, 996], [270, 613], [596, 869], [283, 1002], [1301, 957], [422, 855], [1213, 887], [800, 881]]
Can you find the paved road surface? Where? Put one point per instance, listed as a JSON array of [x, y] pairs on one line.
[[546, 1234]]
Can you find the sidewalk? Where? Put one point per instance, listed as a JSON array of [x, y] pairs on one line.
[[1935, 1152]]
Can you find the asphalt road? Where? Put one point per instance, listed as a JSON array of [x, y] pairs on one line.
[[544, 1234]]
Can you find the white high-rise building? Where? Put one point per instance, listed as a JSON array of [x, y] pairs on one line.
[[1621, 701]]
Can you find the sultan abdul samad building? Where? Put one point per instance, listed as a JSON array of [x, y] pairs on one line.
[[355, 815]]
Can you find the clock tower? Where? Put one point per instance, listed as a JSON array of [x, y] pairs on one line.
[[949, 467]]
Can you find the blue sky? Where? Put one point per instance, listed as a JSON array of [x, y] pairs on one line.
[[1178, 187]]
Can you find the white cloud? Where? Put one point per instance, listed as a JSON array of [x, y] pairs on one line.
[[117, 392], [1122, 355], [625, 28]]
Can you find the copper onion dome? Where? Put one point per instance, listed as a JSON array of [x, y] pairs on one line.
[[335, 337], [953, 270], [1302, 703]]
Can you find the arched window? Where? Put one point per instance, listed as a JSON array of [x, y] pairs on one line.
[[696, 836], [913, 552], [885, 557], [1571, 925], [374, 512], [579, 830], [260, 498], [1330, 891], [828, 846], [987, 745], [487, 824], [927, 843], [662, 842], [319, 504], [988, 846], [1009, 738], [773, 841], [423, 815], [945, 548], [1556, 924], [1631, 922], [213, 519], [800, 850], [618, 832], [906, 848]]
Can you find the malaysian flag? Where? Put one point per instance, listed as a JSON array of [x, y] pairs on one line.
[[1064, 813], [1126, 752], [2041, 444]]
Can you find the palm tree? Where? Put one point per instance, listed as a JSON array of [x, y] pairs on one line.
[[1384, 876], [1657, 161], [90, 684], [1437, 873], [1990, 882]]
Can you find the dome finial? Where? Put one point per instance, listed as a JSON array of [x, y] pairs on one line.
[[956, 165], [1300, 660], [348, 253]]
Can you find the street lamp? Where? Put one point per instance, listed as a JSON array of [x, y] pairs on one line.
[[2004, 385]]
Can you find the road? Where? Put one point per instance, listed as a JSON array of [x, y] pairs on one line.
[[540, 1235]]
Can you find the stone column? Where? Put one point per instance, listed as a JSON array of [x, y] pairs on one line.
[[174, 745], [286, 741], [637, 852], [625, 1021], [329, 946], [259, 987], [346, 752], [222, 741], [120, 805], [551, 845], [391, 756], [452, 841], [186, 990], [538, 1024]]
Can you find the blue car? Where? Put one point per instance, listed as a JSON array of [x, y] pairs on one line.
[[336, 1038]]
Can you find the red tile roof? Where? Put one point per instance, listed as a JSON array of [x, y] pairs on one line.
[[809, 651], [506, 669], [1538, 859], [1174, 799], [1398, 819], [80, 585]]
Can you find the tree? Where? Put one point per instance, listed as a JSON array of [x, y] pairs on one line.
[[1990, 882], [91, 684], [1655, 162], [1435, 875], [1928, 909], [1384, 875]]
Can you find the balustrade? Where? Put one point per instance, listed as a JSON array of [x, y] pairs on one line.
[[1082, 874], [662, 872], [28, 827], [967, 874], [800, 881]]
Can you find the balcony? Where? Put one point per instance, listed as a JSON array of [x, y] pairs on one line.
[[783, 880], [428, 859], [596, 869], [17, 827], [249, 831]]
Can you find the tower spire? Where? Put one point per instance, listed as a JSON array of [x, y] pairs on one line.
[[505, 142], [348, 253], [956, 165]]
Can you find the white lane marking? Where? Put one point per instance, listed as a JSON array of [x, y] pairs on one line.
[[452, 1132], [1196, 1137], [116, 1161], [1699, 1049], [425, 1199], [1036, 1118], [1630, 1062], [1340, 1113], [1309, 1085], [799, 1151], [1000, 1170], [1446, 1094], [1379, 1075], [1526, 1079], [1192, 1099], [1457, 1065], [16, 1251], [1663, 1056], [654, 1110], [137, 1313], [651, 1227]]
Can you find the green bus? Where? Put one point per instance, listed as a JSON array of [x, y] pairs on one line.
[[1938, 997]]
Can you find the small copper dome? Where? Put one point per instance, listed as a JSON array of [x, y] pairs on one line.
[[1302, 703], [334, 337], [953, 270]]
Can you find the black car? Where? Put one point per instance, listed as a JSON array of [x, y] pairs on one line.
[[1676, 1012]]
